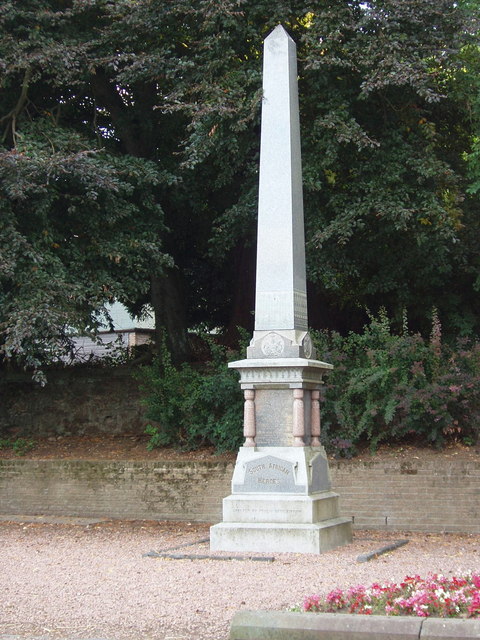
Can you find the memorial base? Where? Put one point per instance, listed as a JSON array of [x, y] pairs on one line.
[[281, 501], [280, 538]]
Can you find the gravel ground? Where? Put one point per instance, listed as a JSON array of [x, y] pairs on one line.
[[64, 580]]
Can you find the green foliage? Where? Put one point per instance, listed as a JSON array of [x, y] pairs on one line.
[[193, 406], [388, 387], [66, 216], [129, 141], [20, 446], [386, 198]]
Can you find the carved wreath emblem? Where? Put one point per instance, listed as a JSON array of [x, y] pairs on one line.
[[273, 345], [307, 347]]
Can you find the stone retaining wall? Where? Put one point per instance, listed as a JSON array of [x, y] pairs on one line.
[[191, 491], [76, 401], [441, 495]]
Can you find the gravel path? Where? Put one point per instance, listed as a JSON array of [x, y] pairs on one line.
[[93, 581]]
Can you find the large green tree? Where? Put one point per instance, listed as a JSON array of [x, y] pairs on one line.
[[130, 134]]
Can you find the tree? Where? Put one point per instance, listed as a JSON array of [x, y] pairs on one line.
[[395, 221], [147, 113], [75, 232], [387, 123]]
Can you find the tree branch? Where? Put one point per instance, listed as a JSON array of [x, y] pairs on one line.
[[11, 117], [123, 117]]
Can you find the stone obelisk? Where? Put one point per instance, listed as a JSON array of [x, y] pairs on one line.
[[281, 494]]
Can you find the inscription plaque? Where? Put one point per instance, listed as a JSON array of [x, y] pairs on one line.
[[269, 474], [274, 417]]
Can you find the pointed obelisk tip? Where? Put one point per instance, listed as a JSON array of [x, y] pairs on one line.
[[278, 32]]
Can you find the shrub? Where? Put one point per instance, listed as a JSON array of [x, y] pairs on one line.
[[193, 406], [20, 446], [391, 387], [384, 387]]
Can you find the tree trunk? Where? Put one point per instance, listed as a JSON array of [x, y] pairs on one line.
[[131, 126], [170, 317], [243, 303]]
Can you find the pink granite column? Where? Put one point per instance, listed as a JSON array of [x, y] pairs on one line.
[[249, 428], [316, 418]]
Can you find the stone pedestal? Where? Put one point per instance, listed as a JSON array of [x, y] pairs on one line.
[[281, 501], [281, 492]]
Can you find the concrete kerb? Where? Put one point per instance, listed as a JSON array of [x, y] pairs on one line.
[[366, 557], [274, 625], [450, 629]]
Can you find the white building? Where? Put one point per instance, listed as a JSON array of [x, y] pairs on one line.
[[127, 332]]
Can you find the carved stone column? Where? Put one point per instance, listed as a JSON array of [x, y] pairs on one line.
[[249, 429], [298, 418], [315, 418]]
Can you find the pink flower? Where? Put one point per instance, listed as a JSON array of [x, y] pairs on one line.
[[435, 595], [312, 603], [474, 607]]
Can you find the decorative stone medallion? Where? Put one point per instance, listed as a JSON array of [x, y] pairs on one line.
[[273, 345], [307, 346]]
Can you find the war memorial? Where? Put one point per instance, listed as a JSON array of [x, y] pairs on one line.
[[281, 493]]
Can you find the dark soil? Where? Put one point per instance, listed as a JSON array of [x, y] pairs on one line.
[[134, 447], [108, 447]]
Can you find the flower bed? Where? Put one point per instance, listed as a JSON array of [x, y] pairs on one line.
[[435, 595]]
